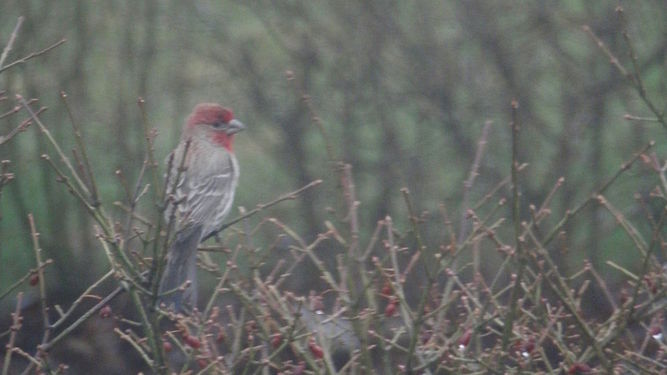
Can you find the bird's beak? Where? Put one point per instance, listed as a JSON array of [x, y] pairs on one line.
[[235, 126]]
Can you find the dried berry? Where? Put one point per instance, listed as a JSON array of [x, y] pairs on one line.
[[525, 348], [105, 312], [276, 340], [386, 290], [579, 368], [300, 368], [192, 341], [391, 308], [464, 340], [315, 349], [656, 332]]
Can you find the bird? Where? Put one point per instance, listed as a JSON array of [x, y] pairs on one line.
[[202, 178]]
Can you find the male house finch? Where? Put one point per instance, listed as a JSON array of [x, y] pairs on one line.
[[203, 197]]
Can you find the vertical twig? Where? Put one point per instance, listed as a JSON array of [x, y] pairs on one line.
[[355, 263], [149, 325], [427, 260], [398, 287], [42, 285], [472, 175], [14, 329], [88, 171], [514, 294], [160, 250], [150, 151]]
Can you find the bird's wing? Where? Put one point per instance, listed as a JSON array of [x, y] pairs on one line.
[[209, 197], [207, 193]]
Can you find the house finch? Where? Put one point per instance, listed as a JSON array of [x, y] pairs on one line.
[[203, 196]]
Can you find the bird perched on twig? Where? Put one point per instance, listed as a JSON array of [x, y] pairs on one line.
[[202, 198]]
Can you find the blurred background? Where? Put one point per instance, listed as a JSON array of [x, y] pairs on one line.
[[403, 89]]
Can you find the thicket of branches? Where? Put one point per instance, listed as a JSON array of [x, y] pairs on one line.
[[478, 286]]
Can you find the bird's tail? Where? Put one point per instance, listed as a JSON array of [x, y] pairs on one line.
[[181, 267]]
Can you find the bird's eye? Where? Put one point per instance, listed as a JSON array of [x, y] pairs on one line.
[[218, 124]]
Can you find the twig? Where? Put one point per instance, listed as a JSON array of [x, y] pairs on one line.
[[398, 283], [352, 204], [150, 327], [100, 218], [427, 259], [472, 175], [355, 272], [570, 214], [53, 142], [221, 282], [150, 150], [449, 229], [88, 172], [160, 250], [655, 241], [630, 117], [42, 286], [309, 250], [20, 281], [516, 219], [64, 316], [12, 111], [32, 55], [562, 291], [47, 346], [20, 127], [635, 77], [16, 326], [135, 215], [10, 42], [136, 346], [261, 207], [632, 232], [603, 47], [316, 119]]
